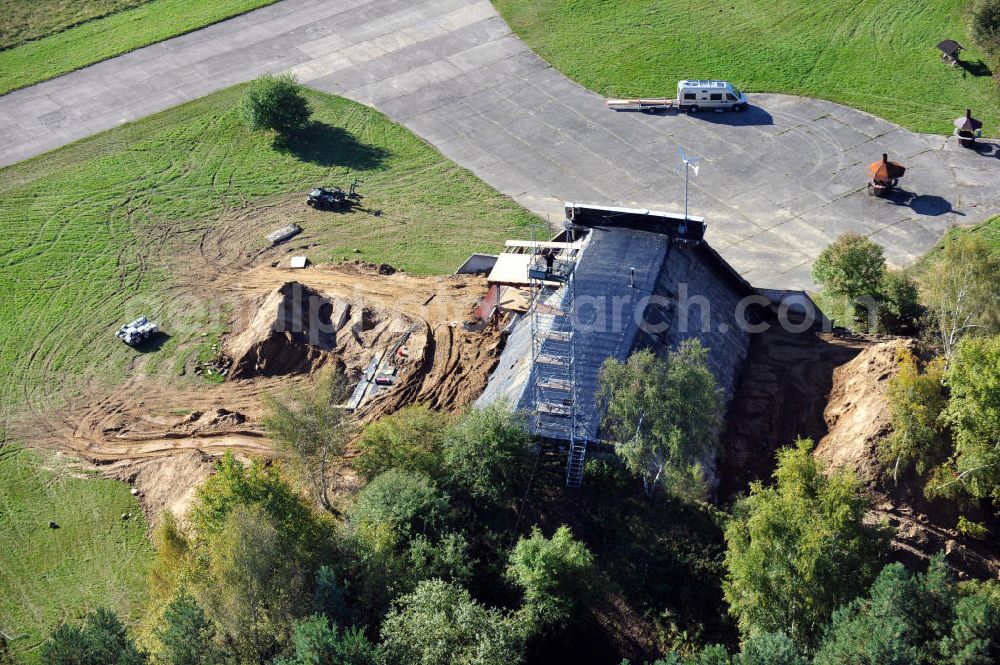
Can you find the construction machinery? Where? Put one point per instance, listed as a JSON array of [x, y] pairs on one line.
[[137, 331], [324, 198]]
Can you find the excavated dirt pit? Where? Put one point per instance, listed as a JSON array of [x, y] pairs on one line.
[[831, 387], [160, 435]]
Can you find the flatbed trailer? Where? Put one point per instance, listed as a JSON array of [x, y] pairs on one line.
[[645, 105]]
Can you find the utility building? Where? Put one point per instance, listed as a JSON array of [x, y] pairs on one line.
[[614, 281]]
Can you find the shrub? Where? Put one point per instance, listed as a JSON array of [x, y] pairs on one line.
[[486, 455], [410, 439], [555, 575], [916, 402], [440, 624], [852, 266], [276, 103], [405, 502], [899, 309], [972, 529], [315, 641]]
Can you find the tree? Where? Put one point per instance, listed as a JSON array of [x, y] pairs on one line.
[[276, 103], [486, 455], [663, 416], [899, 307], [301, 531], [852, 266], [762, 649], [313, 430], [187, 637], [440, 624], [961, 291], [445, 559], [405, 502], [799, 549], [924, 618], [973, 412], [916, 401], [315, 641], [252, 586], [555, 575], [410, 439], [101, 640]]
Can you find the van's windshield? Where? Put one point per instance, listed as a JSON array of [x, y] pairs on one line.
[[736, 91]]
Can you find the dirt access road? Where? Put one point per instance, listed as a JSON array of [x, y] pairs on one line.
[[779, 183]]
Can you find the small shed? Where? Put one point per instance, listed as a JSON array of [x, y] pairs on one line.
[[298, 262], [950, 50], [968, 129]]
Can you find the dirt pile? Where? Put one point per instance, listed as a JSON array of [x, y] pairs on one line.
[[857, 414], [781, 395], [164, 483], [857, 418], [293, 332]]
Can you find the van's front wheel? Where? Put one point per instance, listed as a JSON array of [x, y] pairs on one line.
[[739, 108]]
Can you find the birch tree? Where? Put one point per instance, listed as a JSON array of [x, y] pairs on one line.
[[313, 430], [962, 292], [663, 416]]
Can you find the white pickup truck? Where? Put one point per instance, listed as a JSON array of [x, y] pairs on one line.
[[692, 96]]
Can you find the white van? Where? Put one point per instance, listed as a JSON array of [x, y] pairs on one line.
[[693, 96]]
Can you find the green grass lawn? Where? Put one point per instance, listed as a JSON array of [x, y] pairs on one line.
[[92, 231], [124, 25], [25, 20], [49, 575], [879, 57]]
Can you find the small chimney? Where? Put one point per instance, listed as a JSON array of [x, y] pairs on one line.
[[968, 113], [885, 158]]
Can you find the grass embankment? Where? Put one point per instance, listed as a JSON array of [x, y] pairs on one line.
[[878, 57], [25, 20], [94, 558], [91, 233], [123, 26]]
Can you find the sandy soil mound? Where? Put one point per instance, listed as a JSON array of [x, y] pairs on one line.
[[857, 415], [164, 483], [155, 433], [782, 394], [293, 332]]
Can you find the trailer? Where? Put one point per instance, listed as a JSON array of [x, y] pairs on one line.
[[692, 96], [651, 105]]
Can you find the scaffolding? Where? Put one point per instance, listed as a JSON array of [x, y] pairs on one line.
[[553, 370]]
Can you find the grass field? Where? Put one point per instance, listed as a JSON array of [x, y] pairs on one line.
[[91, 231], [879, 57], [25, 20], [125, 25], [50, 575]]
